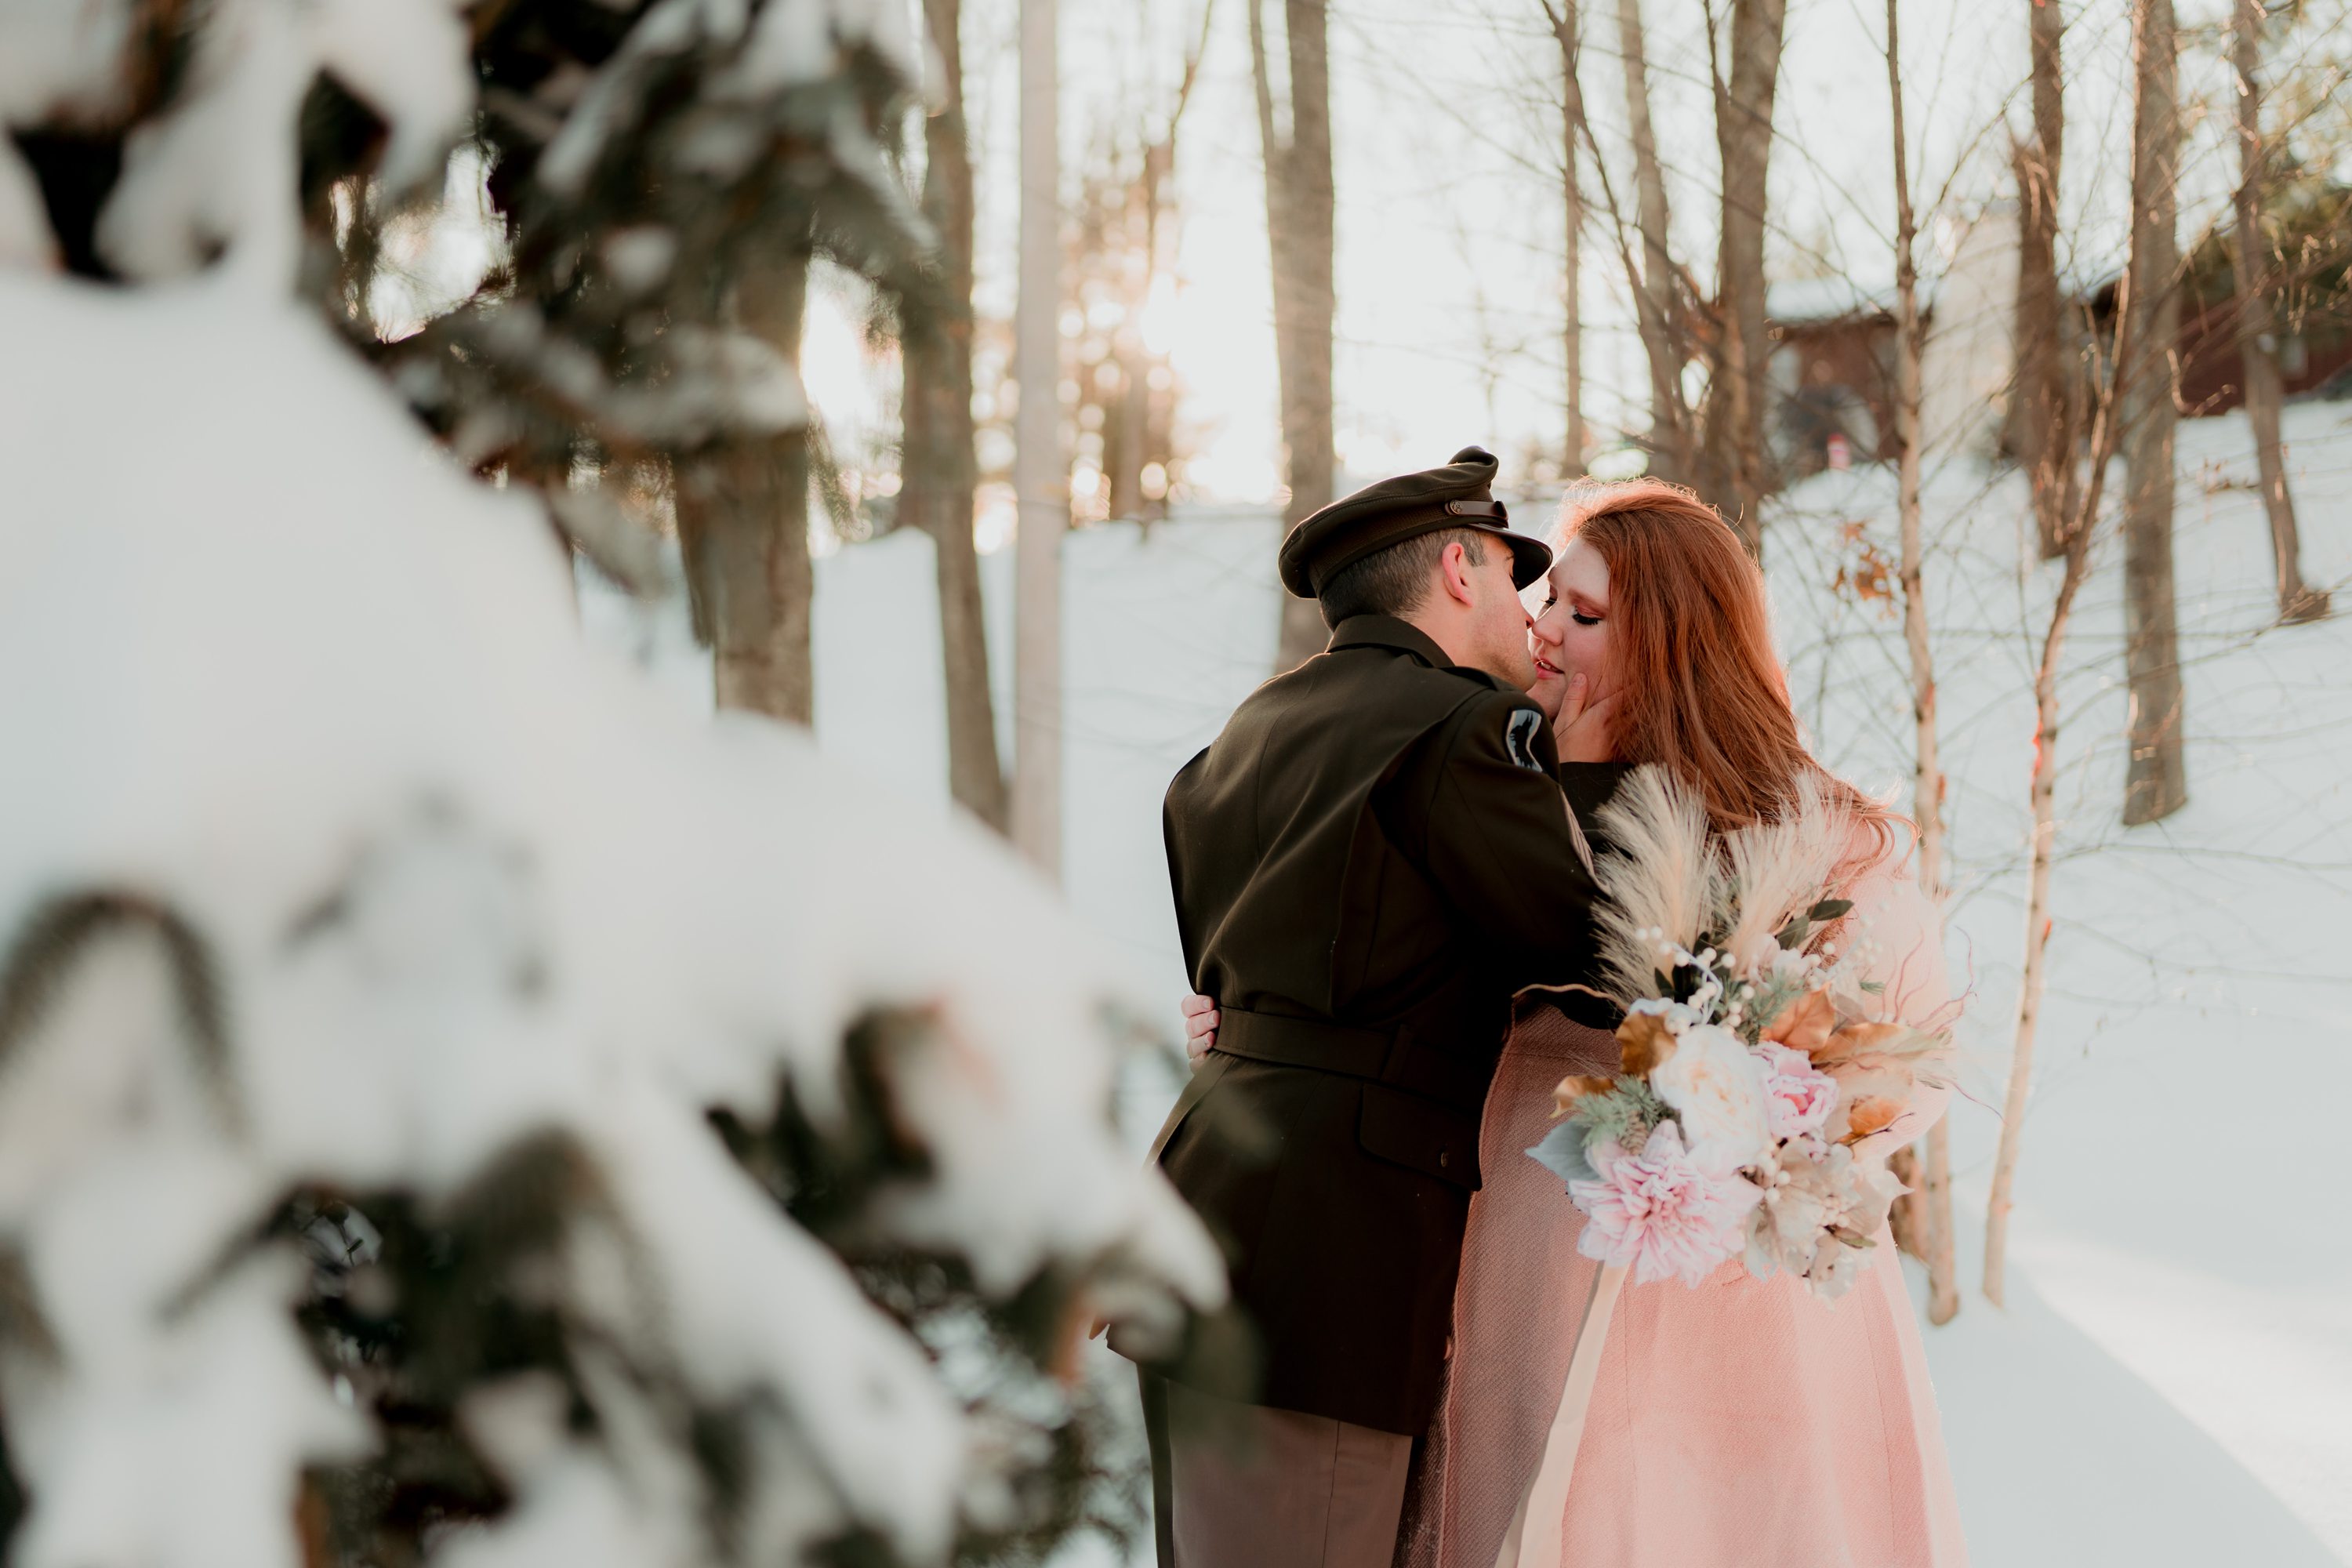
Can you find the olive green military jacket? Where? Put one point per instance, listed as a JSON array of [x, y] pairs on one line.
[[1368, 862]]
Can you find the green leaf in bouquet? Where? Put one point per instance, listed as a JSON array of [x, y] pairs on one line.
[[1830, 910], [1563, 1152], [1624, 1116], [1792, 935]]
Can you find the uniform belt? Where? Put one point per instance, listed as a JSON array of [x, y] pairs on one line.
[[1393, 1056]]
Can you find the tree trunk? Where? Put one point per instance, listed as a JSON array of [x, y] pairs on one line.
[[1929, 1205], [2044, 794], [2258, 329], [1040, 475], [1125, 436], [742, 513], [1299, 198], [2075, 550], [1732, 468], [1657, 301], [2155, 782], [1564, 28], [1145, 417], [2041, 427], [937, 469]]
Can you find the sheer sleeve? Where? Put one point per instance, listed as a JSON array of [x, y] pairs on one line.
[[1905, 937]]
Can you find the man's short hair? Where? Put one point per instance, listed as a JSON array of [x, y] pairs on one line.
[[1394, 582]]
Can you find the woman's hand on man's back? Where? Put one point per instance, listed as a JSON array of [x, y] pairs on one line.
[[1200, 1027]]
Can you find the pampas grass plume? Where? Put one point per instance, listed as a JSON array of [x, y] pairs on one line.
[[1782, 867], [1660, 879]]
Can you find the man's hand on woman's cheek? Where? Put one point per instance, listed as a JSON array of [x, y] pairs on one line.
[[1586, 728]]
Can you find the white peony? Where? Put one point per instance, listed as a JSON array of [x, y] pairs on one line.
[[1715, 1087]]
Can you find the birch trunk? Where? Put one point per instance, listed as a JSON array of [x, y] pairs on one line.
[[1929, 1209], [2043, 428], [2075, 551], [938, 469], [2155, 782], [1733, 472], [1566, 29], [1145, 440], [742, 513], [2258, 329], [1040, 477], [2044, 794], [1299, 199], [1655, 299], [1125, 438]]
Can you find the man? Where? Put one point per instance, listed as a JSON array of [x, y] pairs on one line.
[[1368, 862]]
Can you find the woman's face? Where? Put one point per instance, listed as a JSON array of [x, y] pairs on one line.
[[1571, 635]]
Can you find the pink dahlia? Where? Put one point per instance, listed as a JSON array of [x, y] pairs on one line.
[[1661, 1212], [1798, 1096]]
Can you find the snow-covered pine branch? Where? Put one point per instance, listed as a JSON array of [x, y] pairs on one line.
[[449, 1102]]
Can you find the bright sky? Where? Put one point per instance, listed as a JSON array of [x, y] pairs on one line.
[[1449, 212]]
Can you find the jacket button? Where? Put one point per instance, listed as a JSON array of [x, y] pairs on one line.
[[1444, 1158]]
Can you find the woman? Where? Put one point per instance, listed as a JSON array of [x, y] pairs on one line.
[[1742, 1424]]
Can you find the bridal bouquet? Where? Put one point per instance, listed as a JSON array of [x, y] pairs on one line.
[[1751, 1061]]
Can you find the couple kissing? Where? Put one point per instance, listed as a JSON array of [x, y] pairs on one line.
[[1392, 872]]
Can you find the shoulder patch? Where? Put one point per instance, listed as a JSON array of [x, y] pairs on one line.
[[1519, 738]]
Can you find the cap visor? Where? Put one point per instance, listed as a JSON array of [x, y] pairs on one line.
[[1530, 558]]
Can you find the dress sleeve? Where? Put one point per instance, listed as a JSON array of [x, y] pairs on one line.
[[1907, 957]]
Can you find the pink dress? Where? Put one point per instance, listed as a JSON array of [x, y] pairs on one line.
[[1743, 1423]]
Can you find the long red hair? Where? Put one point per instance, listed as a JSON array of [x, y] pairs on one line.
[[1690, 625]]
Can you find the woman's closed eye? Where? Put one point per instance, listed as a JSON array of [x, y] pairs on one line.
[[1583, 618]]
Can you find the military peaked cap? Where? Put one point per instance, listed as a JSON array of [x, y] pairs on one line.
[[1459, 495]]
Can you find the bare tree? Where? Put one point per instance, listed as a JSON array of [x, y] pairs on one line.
[[1299, 199], [2258, 327], [1732, 466], [938, 469], [2075, 551], [2042, 426], [742, 516], [1566, 30], [2134, 410], [1136, 427], [2156, 783], [1928, 1210], [1656, 300], [1041, 475]]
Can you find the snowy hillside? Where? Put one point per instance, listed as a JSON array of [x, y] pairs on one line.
[[2172, 1384]]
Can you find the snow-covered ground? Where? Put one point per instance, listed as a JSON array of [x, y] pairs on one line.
[[2179, 1180], [2171, 1383]]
